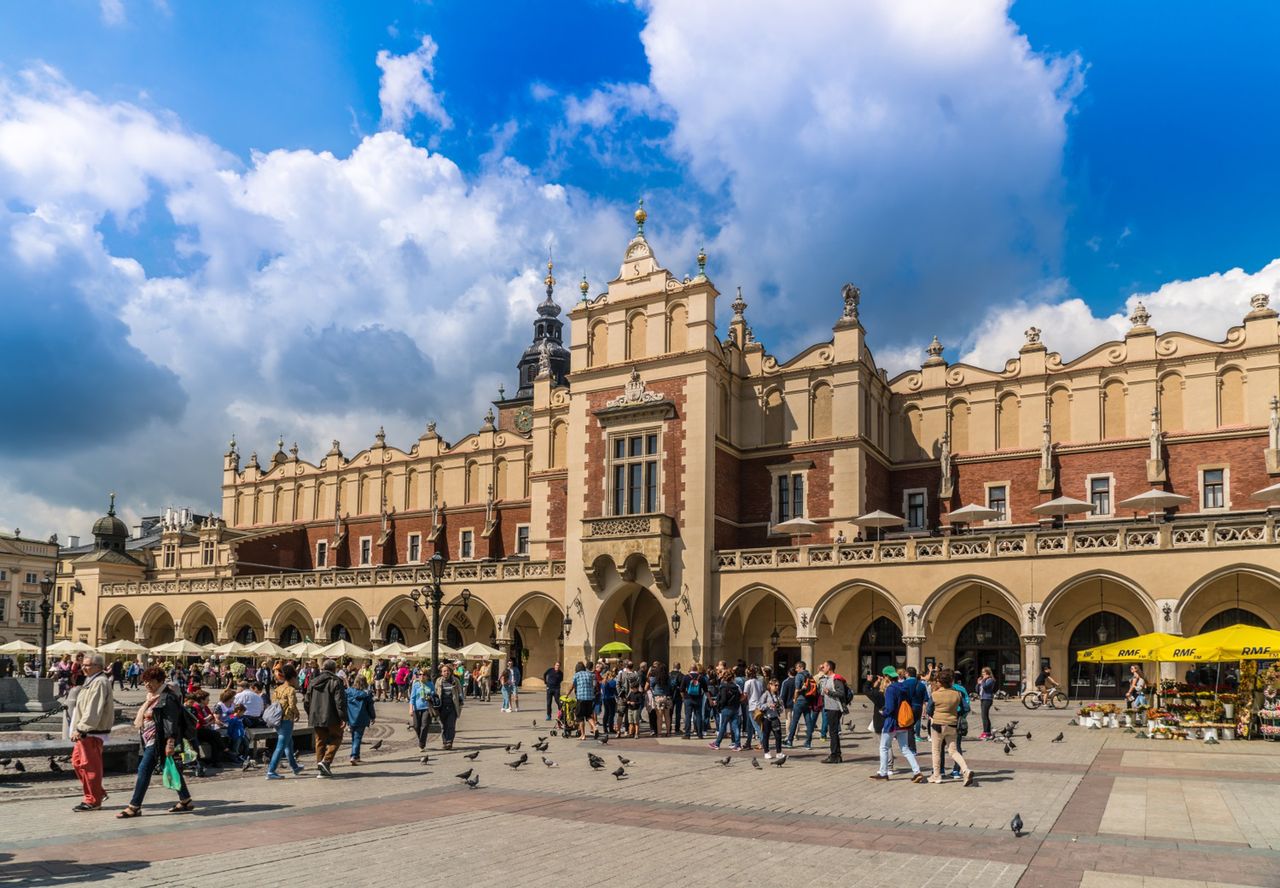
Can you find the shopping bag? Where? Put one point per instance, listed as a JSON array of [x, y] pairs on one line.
[[189, 753], [172, 779]]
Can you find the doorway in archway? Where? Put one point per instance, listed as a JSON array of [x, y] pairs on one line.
[[204, 636], [881, 645], [247, 635], [1101, 680], [989, 640], [1231, 617]]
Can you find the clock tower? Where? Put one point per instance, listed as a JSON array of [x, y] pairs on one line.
[[548, 337]]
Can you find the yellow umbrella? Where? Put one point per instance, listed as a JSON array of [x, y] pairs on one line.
[[1238, 642], [1132, 650]]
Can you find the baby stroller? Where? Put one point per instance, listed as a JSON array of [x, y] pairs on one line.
[[566, 717]]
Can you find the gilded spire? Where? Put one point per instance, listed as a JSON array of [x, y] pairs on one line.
[[640, 216], [584, 287], [702, 262], [549, 308]]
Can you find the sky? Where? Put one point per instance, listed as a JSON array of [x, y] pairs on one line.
[[309, 219]]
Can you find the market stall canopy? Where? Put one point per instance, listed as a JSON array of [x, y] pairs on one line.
[[879, 518], [1132, 650], [267, 649], [342, 649], [615, 647], [305, 649], [1268, 494], [182, 648], [122, 646], [478, 650], [69, 647], [971, 513], [422, 651], [1153, 501], [797, 527], [19, 647], [231, 649], [394, 649], [1063, 505], [1238, 642]]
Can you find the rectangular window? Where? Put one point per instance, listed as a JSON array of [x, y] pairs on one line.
[[467, 547], [522, 539], [998, 501], [788, 499], [415, 547], [4, 575], [1213, 488], [635, 474], [366, 551], [4, 609], [915, 509], [32, 578], [169, 554], [28, 611], [206, 553], [1100, 495], [322, 553]]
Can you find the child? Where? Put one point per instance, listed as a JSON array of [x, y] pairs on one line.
[[771, 720], [236, 739], [635, 701]]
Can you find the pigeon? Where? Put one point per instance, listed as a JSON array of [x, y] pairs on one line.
[[542, 739], [5, 762], [54, 766], [48, 736], [1028, 735], [604, 741], [1073, 722], [755, 763], [465, 774], [779, 761], [726, 761], [375, 747], [596, 764], [1095, 728], [1006, 748], [474, 781], [1210, 741], [619, 772], [541, 747], [1057, 739], [248, 763], [517, 763], [535, 722], [472, 756], [1012, 745], [425, 759], [623, 760], [516, 748], [555, 733], [550, 764], [1016, 825], [19, 767]]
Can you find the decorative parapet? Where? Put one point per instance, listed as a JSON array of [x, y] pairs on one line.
[[470, 572], [1235, 532], [627, 541]]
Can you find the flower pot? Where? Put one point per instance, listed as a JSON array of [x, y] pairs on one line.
[[1113, 721], [1228, 733], [1229, 710]]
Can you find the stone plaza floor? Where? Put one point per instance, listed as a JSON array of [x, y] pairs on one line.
[[1100, 809]]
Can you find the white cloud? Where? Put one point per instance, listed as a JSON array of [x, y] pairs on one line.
[[405, 89], [112, 11]]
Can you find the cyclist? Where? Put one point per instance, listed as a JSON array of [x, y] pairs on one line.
[[1046, 684]]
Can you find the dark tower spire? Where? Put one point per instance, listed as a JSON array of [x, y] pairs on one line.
[[548, 334]]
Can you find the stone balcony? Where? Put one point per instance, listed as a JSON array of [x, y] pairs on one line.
[[628, 541], [414, 575], [1085, 539]]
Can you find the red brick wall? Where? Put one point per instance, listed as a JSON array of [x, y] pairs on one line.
[[1243, 455], [877, 485], [1021, 474], [728, 481], [901, 480], [756, 497]]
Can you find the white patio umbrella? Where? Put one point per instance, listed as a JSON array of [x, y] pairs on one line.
[[1063, 505], [180, 648], [478, 650], [122, 646], [267, 649], [971, 513], [1268, 494], [394, 649], [797, 527], [1153, 501], [341, 649], [67, 646], [19, 647], [879, 519], [231, 649], [424, 650], [305, 649]]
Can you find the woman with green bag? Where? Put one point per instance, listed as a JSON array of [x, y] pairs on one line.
[[162, 727]]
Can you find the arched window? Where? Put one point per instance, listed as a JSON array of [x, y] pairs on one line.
[[881, 645], [1097, 679], [290, 636], [598, 345], [204, 636], [773, 417], [1113, 410], [959, 426], [1231, 397], [1171, 403], [559, 444], [437, 484], [500, 480], [453, 636], [989, 640], [821, 406], [473, 482], [1060, 414], [1010, 410], [246, 635], [1231, 617], [637, 332], [393, 634], [677, 328], [339, 633]]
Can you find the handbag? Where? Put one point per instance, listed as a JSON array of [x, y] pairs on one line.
[[273, 715]]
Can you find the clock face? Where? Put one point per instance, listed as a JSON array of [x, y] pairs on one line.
[[524, 419]]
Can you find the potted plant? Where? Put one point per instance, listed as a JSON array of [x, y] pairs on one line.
[[1228, 702]]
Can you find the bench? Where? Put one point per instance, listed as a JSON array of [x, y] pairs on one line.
[[119, 751], [264, 739]]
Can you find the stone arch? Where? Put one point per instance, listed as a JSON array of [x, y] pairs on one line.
[[1114, 424], [774, 418], [399, 612], [1216, 591], [536, 620], [642, 610], [841, 618], [348, 615], [197, 616], [939, 598], [156, 625], [476, 623], [241, 615], [118, 624], [677, 327], [637, 334], [844, 590], [474, 494], [501, 477], [958, 416], [821, 401], [1008, 422], [1146, 614], [748, 619], [293, 613], [1171, 387], [598, 344], [950, 616], [1060, 413], [750, 595], [437, 485]]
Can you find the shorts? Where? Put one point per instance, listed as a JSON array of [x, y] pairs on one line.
[[585, 709], [661, 701], [633, 716]]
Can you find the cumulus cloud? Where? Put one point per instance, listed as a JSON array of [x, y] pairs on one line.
[[112, 11], [406, 90]]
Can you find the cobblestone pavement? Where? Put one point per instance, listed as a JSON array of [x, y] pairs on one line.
[[1102, 808]]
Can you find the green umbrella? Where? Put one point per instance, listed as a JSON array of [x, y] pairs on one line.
[[615, 647]]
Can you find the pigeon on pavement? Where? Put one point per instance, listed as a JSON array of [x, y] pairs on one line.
[[550, 764], [465, 774], [1016, 825], [779, 761], [375, 747], [19, 767], [472, 756], [54, 766], [755, 763], [619, 772], [474, 781], [595, 763], [623, 760], [1057, 739], [726, 761]]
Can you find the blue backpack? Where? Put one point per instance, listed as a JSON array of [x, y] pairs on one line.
[[694, 689]]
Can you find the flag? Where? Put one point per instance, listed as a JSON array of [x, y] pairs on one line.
[[622, 629]]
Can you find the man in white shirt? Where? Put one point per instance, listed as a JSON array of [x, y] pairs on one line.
[[251, 699], [92, 716]]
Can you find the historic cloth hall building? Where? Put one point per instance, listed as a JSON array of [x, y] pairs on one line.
[[637, 477]]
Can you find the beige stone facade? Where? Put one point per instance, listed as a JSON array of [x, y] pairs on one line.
[[644, 490], [24, 563]]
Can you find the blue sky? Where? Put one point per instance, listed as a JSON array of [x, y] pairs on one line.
[[261, 218]]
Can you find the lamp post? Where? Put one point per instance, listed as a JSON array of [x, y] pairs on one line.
[[46, 610], [434, 596]]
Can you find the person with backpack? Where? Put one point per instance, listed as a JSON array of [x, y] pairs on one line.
[[693, 693], [728, 705], [835, 703], [945, 710], [918, 695], [804, 706], [899, 722], [584, 691], [675, 686], [285, 696], [360, 714]]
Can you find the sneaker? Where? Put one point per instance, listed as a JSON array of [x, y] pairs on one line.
[[713, 745], [788, 744], [736, 748], [326, 770], [298, 770], [832, 760], [878, 776], [932, 780], [955, 774], [767, 756], [274, 777], [918, 777]]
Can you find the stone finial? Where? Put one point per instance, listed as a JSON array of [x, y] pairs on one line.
[[253, 460], [488, 419], [584, 287], [231, 445], [544, 359], [334, 449], [702, 262], [1033, 335], [1259, 301], [852, 296], [111, 505], [1140, 317], [739, 305], [431, 428], [280, 444], [380, 438], [935, 350], [293, 451]]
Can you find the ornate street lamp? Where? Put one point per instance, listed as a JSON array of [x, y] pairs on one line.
[[46, 609], [675, 619]]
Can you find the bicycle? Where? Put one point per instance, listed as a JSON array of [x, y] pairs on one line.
[[1034, 699]]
